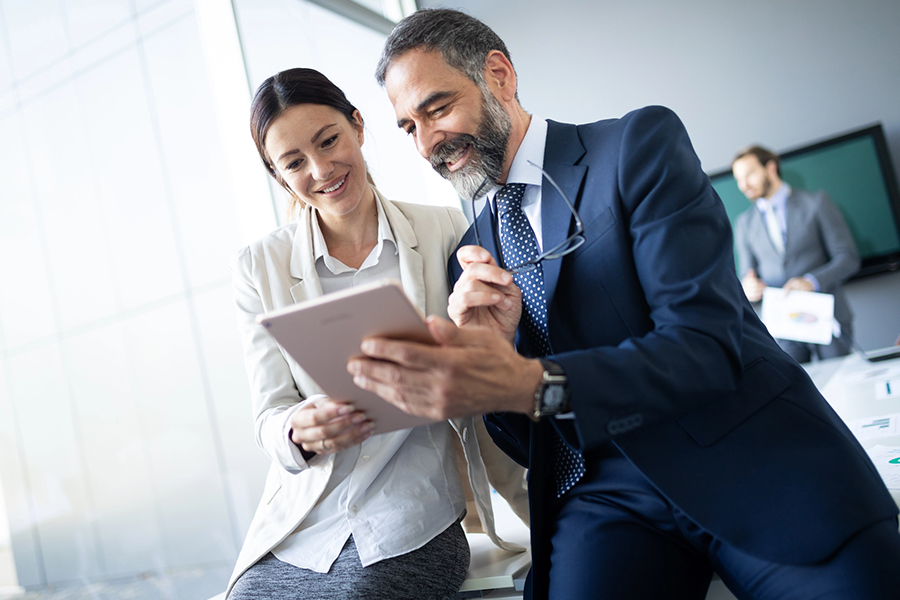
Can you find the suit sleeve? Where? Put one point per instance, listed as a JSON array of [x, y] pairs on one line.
[[681, 244], [843, 258], [274, 393]]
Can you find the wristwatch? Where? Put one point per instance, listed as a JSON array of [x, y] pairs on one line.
[[552, 395]]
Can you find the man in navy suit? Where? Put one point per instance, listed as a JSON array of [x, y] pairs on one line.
[[704, 447]]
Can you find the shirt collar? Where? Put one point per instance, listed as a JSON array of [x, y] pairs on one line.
[[778, 199], [531, 149], [320, 249]]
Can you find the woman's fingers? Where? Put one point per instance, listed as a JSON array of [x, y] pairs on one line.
[[327, 426]]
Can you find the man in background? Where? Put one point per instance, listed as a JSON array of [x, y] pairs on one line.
[[795, 240]]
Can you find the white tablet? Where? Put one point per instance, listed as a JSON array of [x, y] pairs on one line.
[[323, 334]]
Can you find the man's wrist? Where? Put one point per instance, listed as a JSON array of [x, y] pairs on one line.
[[531, 380]]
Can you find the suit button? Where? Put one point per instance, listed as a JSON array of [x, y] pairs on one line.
[[465, 435]]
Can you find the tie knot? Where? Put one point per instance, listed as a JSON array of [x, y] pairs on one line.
[[510, 197]]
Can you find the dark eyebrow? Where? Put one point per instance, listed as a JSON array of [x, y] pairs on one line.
[[314, 138], [421, 106]]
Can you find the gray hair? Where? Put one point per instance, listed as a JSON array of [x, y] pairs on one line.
[[463, 41]]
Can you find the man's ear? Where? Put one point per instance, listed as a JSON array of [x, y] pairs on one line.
[[358, 126], [500, 75]]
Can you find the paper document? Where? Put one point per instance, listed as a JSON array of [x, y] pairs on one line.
[[875, 427], [799, 316], [881, 383], [887, 461]]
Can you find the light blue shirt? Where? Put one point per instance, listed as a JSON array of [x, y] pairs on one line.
[[778, 203]]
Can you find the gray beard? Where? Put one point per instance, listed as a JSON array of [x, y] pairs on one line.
[[488, 150]]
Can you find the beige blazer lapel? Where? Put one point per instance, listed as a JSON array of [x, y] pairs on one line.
[[303, 262], [412, 265]]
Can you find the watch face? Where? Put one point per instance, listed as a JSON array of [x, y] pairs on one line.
[[554, 397]]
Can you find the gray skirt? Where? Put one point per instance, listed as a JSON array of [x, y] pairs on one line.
[[433, 572]]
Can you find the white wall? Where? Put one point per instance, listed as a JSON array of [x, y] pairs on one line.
[[778, 72], [125, 430], [282, 34]]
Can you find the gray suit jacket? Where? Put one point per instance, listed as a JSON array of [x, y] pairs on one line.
[[817, 242]]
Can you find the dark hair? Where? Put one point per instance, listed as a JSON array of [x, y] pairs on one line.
[[282, 91], [463, 41], [763, 155]]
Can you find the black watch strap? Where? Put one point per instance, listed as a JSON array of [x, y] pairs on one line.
[[552, 395]]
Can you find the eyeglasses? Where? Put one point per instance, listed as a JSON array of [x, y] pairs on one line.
[[568, 245]]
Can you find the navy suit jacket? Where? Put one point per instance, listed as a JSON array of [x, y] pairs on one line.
[[667, 360]]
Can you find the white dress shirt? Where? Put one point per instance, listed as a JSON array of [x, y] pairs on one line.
[[394, 492], [532, 148]]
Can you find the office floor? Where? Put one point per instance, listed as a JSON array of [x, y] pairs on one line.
[[182, 584]]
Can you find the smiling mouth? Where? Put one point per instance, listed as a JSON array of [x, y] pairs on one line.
[[455, 161], [336, 186]]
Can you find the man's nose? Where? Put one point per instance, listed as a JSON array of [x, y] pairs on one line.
[[426, 140]]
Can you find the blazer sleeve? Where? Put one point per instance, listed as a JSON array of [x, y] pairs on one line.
[[274, 393], [677, 232], [843, 258]]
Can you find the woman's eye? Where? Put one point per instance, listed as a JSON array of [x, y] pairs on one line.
[[330, 141], [293, 165]]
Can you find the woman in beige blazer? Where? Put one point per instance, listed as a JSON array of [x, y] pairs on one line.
[[344, 513]]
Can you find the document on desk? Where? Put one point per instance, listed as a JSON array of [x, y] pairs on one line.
[[799, 316], [887, 461], [876, 427]]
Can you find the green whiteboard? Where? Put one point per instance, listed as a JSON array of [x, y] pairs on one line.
[[856, 171]]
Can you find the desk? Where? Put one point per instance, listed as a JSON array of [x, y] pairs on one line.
[[496, 573], [850, 385]]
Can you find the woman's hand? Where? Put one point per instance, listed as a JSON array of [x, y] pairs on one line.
[[326, 426]]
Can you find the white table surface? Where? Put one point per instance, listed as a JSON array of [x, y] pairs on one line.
[[849, 384]]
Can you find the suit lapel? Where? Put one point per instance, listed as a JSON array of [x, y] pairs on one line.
[[486, 231], [561, 152], [790, 214]]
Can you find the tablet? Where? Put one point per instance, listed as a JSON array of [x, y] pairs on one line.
[[324, 333]]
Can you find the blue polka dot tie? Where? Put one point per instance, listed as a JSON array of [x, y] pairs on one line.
[[519, 245]]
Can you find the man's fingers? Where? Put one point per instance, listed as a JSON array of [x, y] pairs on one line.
[[444, 332], [491, 274], [460, 302], [401, 352], [468, 255], [412, 396]]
